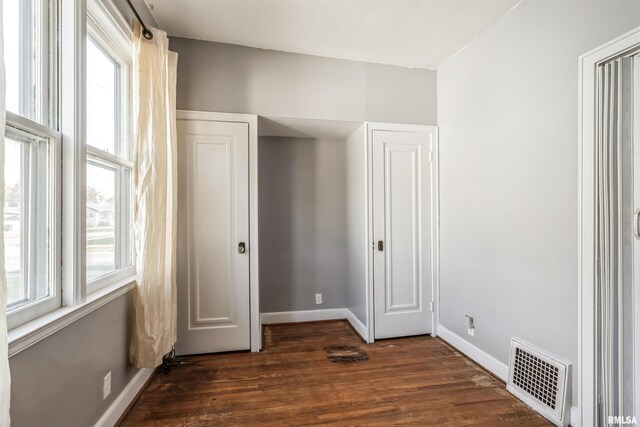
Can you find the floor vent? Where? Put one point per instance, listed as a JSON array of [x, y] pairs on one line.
[[539, 380]]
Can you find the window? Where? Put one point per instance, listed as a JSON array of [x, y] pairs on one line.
[[108, 176], [45, 177], [32, 162], [28, 55]]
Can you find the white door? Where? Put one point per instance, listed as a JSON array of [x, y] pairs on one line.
[[402, 232], [213, 236]]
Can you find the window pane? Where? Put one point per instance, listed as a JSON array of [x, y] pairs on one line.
[[101, 220], [11, 21], [14, 235], [27, 223], [102, 118], [26, 27]]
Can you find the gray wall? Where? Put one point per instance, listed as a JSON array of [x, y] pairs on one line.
[[357, 233], [236, 79], [508, 117], [228, 78], [302, 224], [58, 381]]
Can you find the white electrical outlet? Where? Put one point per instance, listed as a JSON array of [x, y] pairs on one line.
[[106, 386], [471, 328], [318, 298]]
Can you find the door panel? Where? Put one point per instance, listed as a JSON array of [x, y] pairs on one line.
[[633, 333], [402, 222], [213, 276]]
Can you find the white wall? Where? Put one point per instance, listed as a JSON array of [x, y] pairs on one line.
[[508, 117], [303, 243], [237, 79]]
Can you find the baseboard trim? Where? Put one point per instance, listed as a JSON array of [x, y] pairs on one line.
[[315, 315], [303, 316], [124, 399], [489, 362], [357, 325], [574, 417]]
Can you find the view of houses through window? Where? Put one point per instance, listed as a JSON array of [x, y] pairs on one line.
[[101, 220]]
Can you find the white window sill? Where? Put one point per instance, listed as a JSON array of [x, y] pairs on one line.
[[30, 333]]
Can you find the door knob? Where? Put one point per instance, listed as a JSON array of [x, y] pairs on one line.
[[380, 245], [242, 248]]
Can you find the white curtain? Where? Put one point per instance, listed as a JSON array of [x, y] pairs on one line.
[[614, 239], [154, 180], [5, 375]]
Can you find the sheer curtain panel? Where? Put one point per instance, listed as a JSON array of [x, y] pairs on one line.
[[154, 181]]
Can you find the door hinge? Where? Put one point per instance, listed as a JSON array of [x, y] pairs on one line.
[[432, 306]]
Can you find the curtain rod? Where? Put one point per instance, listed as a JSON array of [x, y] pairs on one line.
[[145, 31]]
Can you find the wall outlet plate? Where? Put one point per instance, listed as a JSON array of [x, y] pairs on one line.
[[106, 386], [318, 298], [468, 322]]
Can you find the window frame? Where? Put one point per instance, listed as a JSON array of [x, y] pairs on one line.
[[63, 120], [115, 42], [15, 126], [37, 118]]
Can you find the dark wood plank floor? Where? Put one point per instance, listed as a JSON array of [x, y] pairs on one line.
[[409, 381]]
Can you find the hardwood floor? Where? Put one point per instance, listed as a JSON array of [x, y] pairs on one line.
[[417, 381]]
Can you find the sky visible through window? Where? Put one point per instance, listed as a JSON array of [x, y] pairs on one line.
[[101, 99]]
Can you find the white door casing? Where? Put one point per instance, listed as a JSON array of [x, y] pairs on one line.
[[401, 201], [213, 217]]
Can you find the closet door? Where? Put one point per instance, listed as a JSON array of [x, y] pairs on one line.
[[402, 232], [632, 406], [213, 234]]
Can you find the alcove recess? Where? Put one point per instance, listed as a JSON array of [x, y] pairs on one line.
[[312, 215]]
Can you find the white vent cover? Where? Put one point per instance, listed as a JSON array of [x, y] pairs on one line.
[[539, 380]]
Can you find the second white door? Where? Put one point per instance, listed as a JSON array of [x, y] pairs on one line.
[[402, 232], [213, 237]]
